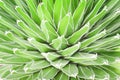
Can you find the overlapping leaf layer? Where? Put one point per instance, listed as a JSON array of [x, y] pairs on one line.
[[60, 39]]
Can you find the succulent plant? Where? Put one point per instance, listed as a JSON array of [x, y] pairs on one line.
[[59, 40]]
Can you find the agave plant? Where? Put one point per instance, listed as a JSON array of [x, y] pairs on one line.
[[59, 40]]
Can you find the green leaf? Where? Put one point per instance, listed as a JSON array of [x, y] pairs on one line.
[[89, 7], [50, 56], [48, 30], [67, 5], [2, 36], [99, 61], [29, 31], [6, 49], [48, 73], [112, 3], [99, 16], [95, 10], [49, 5], [43, 13], [18, 40], [22, 5], [100, 73], [11, 27], [40, 46], [3, 70], [79, 13], [105, 22], [59, 43], [59, 63], [35, 66], [61, 76], [112, 73], [32, 7], [74, 78], [88, 41], [9, 10], [65, 25], [76, 36], [70, 70], [86, 72], [81, 57], [70, 50], [58, 11], [28, 20], [27, 54], [103, 43], [17, 76], [14, 60]]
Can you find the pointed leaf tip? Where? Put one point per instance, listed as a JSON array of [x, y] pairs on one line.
[[118, 11], [19, 21], [7, 32], [105, 8], [41, 3], [68, 14], [117, 36], [30, 39], [16, 7], [104, 31], [14, 50]]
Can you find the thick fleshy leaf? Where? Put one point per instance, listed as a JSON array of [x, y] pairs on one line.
[[61, 76], [33, 8], [99, 16], [48, 30], [100, 73], [9, 9], [76, 36], [112, 73], [14, 60], [11, 27], [98, 61], [104, 43], [70, 70], [95, 10], [70, 50], [17, 76], [58, 11], [59, 40], [29, 21], [35, 66], [106, 21], [88, 41], [81, 57], [29, 31], [40, 46], [86, 72], [79, 13], [49, 4], [59, 43], [112, 3], [50, 56], [64, 25], [22, 5], [27, 54], [5, 49], [59, 64], [48, 73], [18, 40], [2, 36], [43, 13]]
